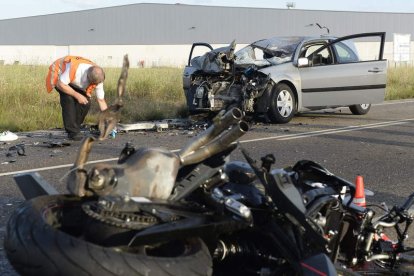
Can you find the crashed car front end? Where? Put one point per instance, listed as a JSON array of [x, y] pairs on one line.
[[221, 79]]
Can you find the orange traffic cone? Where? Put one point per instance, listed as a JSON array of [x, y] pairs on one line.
[[359, 197]]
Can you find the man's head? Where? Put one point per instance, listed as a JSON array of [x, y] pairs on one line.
[[96, 75]]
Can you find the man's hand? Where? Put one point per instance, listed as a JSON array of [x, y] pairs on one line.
[[81, 99], [69, 91]]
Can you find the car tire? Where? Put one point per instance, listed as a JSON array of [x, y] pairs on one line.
[[282, 104], [360, 109]]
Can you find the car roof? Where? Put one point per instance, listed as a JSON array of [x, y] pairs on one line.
[[291, 39]]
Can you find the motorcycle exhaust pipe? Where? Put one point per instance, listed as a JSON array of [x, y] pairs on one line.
[[220, 123], [217, 145]]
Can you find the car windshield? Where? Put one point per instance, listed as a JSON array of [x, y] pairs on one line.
[[267, 52]]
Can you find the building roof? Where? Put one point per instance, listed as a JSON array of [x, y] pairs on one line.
[[166, 24]]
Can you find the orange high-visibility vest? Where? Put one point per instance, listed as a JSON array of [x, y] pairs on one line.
[[59, 66]]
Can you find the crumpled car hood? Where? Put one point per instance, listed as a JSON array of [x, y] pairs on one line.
[[273, 51], [215, 61]]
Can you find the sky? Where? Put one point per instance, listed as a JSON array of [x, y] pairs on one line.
[[25, 8]]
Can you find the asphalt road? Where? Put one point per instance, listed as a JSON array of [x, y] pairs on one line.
[[379, 146]]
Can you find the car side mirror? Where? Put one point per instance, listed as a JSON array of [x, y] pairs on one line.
[[303, 62]]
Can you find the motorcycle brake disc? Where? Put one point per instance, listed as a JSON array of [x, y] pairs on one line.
[[121, 219]]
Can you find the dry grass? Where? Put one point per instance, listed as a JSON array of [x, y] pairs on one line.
[[24, 102], [152, 93], [400, 83]]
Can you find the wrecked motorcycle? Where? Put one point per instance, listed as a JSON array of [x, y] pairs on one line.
[[195, 212]]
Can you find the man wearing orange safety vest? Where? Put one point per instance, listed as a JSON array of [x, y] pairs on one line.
[[75, 78]]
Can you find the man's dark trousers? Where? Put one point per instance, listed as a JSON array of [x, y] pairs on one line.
[[73, 113]]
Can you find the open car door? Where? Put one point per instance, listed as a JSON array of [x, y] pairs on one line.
[[343, 72], [189, 70]]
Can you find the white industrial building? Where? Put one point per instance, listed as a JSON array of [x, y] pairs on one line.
[[162, 34]]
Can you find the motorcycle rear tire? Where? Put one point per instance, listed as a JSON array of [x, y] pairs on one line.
[[36, 246]]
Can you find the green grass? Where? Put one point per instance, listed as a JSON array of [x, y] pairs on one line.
[[152, 93]]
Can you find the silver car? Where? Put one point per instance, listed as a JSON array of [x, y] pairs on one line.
[[281, 76]]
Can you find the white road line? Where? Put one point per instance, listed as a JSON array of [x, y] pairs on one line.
[[394, 102], [55, 167], [329, 131], [280, 138]]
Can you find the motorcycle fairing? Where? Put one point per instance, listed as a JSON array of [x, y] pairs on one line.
[[318, 264], [287, 199]]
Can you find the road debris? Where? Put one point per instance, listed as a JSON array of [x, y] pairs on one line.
[[8, 162], [57, 138], [56, 144], [155, 125], [8, 136], [113, 133], [16, 149]]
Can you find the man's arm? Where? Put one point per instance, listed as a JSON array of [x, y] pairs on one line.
[[69, 91], [102, 104], [100, 96]]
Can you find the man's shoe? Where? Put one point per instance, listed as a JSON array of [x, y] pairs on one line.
[[75, 136], [7, 136]]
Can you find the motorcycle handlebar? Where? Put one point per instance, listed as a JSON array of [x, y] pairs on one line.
[[398, 214], [408, 203], [401, 213]]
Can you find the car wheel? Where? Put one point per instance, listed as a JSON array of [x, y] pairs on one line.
[[282, 104], [360, 109]]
